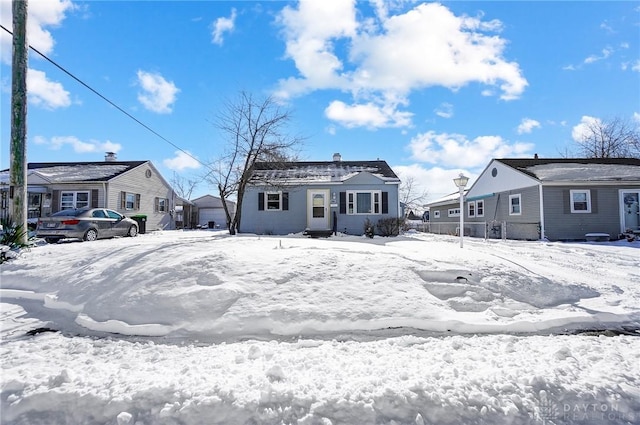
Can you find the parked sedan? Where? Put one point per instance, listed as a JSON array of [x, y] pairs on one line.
[[87, 224]]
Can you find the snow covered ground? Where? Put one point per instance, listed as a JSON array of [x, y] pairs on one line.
[[199, 327]]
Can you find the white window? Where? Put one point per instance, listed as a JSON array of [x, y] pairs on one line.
[[580, 201], [454, 212], [130, 201], [479, 208], [515, 204], [69, 200], [274, 201], [364, 202], [162, 205], [471, 209], [436, 214]]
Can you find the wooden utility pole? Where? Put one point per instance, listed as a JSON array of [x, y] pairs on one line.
[[18, 157]]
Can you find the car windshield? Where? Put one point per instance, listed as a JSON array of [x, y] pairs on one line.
[[68, 213]]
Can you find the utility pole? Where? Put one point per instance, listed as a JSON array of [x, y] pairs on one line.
[[18, 157]]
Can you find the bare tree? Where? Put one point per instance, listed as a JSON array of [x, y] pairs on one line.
[[256, 131], [611, 138], [183, 187], [411, 195]]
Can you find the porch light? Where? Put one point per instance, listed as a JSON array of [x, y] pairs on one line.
[[461, 182]]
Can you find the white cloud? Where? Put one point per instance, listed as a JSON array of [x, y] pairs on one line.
[[445, 110], [182, 160], [78, 146], [437, 182], [222, 26], [604, 54], [581, 130], [636, 66], [45, 93], [42, 14], [367, 115], [636, 117], [455, 150], [392, 56], [527, 125], [157, 94]]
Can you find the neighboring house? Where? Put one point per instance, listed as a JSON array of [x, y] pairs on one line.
[[210, 211], [129, 187], [556, 199], [325, 196]]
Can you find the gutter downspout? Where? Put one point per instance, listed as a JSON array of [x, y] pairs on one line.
[[106, 195], [542, 231]]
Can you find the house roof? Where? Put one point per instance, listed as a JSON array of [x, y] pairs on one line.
[[577, 169], [68, 172], [319, 171]]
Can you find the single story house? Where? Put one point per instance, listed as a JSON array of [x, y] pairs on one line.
[[548, 198], [210, 211], [129, 187], [319, 197]]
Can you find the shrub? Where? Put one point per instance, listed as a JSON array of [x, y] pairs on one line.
[[11, 235], [390, 226], [369, 229]]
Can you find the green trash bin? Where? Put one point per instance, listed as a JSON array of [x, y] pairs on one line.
[[141, 219]]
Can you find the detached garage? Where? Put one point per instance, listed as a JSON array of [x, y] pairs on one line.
[[211, 211]]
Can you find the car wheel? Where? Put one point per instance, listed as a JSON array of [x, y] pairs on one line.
[[91, 235], [133, 231], [51, 240]]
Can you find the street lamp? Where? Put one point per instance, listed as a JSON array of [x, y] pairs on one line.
[[461, 182]]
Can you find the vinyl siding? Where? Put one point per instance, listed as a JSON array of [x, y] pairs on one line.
[[149, 188], [562, 224], [294, 220]]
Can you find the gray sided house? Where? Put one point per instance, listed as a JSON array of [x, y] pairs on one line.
[[129, 187], [556, 199], [293, 197]]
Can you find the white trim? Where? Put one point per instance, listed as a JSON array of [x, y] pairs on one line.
[[519, 197], [621, 205], [352, 205], [266, 200], [542, 229], [572, 202], [478, 214]]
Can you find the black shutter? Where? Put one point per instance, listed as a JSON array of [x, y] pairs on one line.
[[94, 198], [55, 201], [260, 201], [137, 205], [594, 201], [385, 202], [123, 200], [566, 202], [343, 202], [285, 201]]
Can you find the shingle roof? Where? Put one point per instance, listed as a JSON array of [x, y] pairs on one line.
[[319, 171], [577, 169], [62, 172]]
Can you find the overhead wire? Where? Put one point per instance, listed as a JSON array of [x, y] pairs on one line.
[[110, 102]]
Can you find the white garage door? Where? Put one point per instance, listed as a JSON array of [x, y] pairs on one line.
[[213, 214]]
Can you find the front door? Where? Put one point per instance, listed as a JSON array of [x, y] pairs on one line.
[[318, 209], [630, 204]]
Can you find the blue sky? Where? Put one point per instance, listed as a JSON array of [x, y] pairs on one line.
[[434, 89]]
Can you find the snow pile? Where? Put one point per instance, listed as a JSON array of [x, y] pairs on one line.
[[287, 330]]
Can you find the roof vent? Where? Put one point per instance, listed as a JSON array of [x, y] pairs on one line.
[[337, 157], [110, 157]]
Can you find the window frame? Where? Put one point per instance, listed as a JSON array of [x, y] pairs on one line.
[[375, 202], [453, 212], [267, 201], [471, 209], [74, 203], [587, 201], [162, 205], [517, 196], [436, 214], [129, 201], [480, 208]]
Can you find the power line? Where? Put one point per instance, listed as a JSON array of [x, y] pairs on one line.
[[110, 102]]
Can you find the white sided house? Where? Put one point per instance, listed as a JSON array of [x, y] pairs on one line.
[[133, 188], [547, 198], [319, 197]]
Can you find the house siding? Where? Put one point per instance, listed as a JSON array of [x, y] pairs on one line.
[[294, 219], [133, 181], [562, 224], [96, 195]]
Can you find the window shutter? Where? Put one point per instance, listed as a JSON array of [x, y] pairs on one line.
[[94, 198], [55, 201], [123, 200], [566, 202], [260, 201], [385, 202], [594, 201], [285, 201], [137, 206], [343, 202], [156, 204]]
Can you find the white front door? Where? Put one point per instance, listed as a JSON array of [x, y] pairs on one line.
[[630, 214], [318, 209]]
